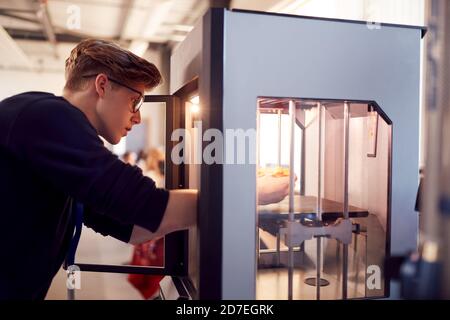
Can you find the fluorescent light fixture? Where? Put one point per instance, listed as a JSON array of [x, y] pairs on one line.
[[138, 47], [183, 28], [195, 107], [195, 100]]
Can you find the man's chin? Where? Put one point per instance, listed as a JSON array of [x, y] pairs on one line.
[[112, 140], [115, 141]]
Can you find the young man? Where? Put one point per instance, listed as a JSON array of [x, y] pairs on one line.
[[51, 156]]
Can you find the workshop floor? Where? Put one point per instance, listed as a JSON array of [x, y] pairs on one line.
[[94, 248]]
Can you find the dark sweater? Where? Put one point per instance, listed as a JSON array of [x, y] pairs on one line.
[[49, 153]]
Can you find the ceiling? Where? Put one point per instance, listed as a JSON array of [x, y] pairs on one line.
[[40, 33], [157, 21], [45, 30]]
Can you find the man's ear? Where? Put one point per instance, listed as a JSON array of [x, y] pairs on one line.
[[100, 84]]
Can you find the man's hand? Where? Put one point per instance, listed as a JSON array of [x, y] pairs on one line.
[[272, 189], [181, 211]]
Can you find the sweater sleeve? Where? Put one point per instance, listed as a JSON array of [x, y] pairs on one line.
[[57, 142], [106, 226]]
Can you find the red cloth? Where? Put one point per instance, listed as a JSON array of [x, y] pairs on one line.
[[150, 253]]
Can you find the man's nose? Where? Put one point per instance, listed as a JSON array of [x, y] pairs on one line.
[[136, 119]]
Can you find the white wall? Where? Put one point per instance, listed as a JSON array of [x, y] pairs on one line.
[[16, 81]]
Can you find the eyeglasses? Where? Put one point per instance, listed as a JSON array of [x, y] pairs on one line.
[[137, 103]]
